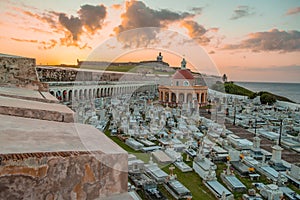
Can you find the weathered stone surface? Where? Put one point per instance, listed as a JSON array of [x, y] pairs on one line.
[[36, 110], [73, 177], [19, 71]]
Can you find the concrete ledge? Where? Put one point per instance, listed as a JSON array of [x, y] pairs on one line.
[[34, 109]]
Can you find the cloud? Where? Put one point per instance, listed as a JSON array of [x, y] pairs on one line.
[[197, 10], [89, 20], [293, 11], [290, 68], [72, 24], [139, 16], [273, 40], [196, 31], [48, 18], [34, 29], [24, 40], [241, 11], [48, 45], [92, 17], [44, 45], [214, 29], [116, 6]]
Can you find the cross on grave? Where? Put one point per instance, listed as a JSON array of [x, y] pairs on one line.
[[171, 168]]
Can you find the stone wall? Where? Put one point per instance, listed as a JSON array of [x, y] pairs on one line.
[[20, 72], [62, 175], [37, 114]]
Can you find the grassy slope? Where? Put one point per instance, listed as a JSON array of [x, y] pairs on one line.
[[125, 68], [231, 88]]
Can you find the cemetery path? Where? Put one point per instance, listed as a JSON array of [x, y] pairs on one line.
[[266, 144]]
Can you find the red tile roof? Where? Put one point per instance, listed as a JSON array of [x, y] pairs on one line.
[[183, 74]]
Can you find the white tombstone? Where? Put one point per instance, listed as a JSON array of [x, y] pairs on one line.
[[276, 154], [234, 155], [256, 143]]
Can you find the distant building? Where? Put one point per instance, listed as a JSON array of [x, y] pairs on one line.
[[183, 90]]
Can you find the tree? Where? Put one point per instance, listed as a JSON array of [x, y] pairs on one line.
[[224, 78], [267, 98]]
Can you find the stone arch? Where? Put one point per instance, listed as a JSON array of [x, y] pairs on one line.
[[80, 95], [173, 97], [70, 95], [189, 97], [167, 96], [64, 96], [75, 94], [202, 97], [85, 93], [58, 95], [94, 93], [181, 98], [90, 94], [97, 93]]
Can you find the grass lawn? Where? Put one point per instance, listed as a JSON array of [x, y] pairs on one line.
[[193, 182]]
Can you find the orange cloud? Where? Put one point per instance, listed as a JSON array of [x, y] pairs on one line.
[[196, 31], [139, 16], [293, 11], [48, 45], [116, 6], [24, 40], [90, 20], [42, 44], [273, 40]]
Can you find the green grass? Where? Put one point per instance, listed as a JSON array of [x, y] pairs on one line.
[[119, 142], [245, 180], [232, 88], [193, 182], [126, 68]]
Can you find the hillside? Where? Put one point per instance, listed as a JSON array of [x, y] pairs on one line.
[[232, 88]]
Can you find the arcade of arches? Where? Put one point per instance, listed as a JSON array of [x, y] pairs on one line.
[[178, 95], [69, 93]]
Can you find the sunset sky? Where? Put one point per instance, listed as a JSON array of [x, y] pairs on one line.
[[249, 40]]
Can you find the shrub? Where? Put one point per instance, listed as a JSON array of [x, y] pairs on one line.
[[267, 98]]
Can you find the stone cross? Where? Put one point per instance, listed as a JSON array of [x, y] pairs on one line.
[[171, 168]]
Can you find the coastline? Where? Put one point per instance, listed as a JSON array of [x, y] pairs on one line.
[[288, 90]]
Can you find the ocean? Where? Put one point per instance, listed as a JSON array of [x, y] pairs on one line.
[[289, 90]]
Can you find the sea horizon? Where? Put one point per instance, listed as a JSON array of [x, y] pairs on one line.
[[288, 90], [264, 82]]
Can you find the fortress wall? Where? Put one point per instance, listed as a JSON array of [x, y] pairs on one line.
[[61, 175]]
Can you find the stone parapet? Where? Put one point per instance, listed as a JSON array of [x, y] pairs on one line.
[[61, 175]]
